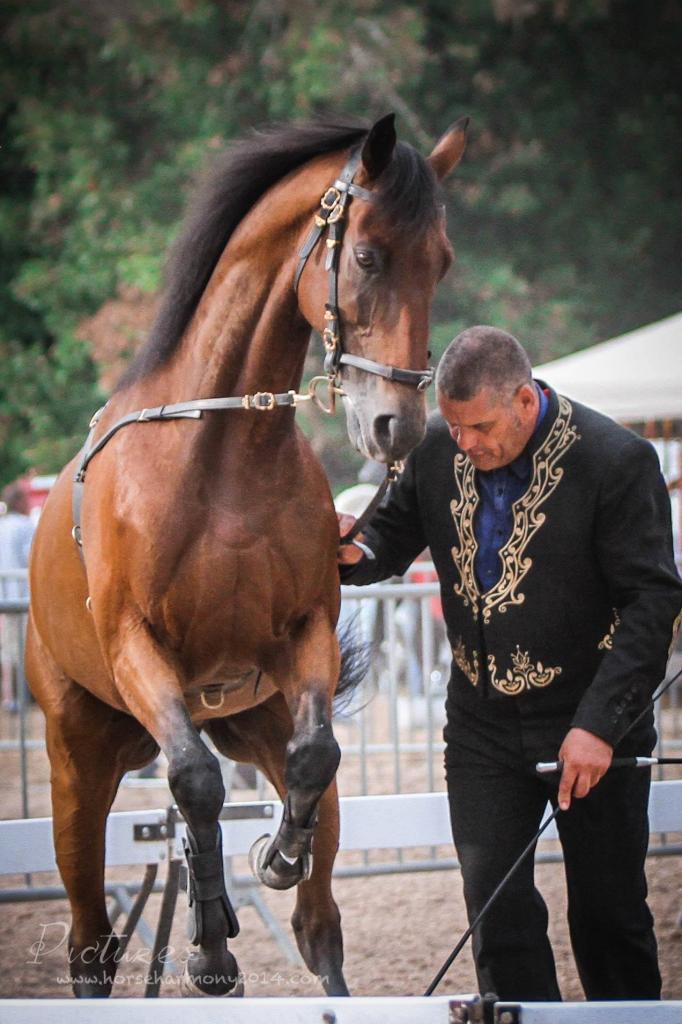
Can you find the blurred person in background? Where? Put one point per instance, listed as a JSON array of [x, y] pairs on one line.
[[16, 534]]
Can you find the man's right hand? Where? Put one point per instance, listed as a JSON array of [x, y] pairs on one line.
[[348, 554]]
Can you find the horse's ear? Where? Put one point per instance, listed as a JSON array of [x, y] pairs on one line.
[[379, 145], [448, 151]]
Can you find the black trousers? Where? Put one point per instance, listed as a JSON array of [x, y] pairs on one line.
[[496, 805]]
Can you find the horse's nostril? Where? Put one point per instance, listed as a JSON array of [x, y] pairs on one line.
[[394, 435], [385, 431]]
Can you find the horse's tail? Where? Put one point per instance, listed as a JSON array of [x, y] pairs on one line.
[[356, 658]]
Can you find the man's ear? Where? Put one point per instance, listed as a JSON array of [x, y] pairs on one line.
[[449, 149], [379, 145], [526, 394]]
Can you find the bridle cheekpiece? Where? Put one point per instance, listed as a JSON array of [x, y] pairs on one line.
[[330, 218]]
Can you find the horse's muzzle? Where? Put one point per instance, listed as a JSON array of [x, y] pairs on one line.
[[395, 436]]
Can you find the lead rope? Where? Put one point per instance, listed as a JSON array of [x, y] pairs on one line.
[[531, 846], [392, 473]]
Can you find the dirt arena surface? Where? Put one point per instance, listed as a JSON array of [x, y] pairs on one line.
[[398, 928]]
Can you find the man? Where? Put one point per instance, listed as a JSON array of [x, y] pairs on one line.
[[16, 533], [549, 526]]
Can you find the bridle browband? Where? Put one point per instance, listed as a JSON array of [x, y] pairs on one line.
[[330, 217]]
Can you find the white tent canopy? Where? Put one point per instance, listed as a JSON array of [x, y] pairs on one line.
[[634, 378]]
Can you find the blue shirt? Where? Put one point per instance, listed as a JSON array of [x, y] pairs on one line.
[[493, 523]]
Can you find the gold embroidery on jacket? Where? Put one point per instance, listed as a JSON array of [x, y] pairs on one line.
[[464, 552], [606, 643], [523, 675], [469, 668], [527, 520]]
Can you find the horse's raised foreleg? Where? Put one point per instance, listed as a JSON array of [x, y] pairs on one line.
[[307, 678], [291, 741], [260, 737], [90, 746], [311, 759], [150, 684]]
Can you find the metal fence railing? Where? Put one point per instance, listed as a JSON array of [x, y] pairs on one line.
[[390, 735]]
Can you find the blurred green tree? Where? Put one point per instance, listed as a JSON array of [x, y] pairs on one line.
[[565, 214]]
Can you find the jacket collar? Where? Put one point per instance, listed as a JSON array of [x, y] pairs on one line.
[[541, 434]]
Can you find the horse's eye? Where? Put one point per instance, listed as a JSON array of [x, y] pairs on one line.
[[365, 259]]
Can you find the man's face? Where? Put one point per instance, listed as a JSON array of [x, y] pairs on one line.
[[492, 431]]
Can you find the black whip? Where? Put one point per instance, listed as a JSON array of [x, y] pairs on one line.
[[484, 910], [531, 845], [549, 767]]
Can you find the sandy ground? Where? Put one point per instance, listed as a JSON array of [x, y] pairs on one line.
[[398, 928]]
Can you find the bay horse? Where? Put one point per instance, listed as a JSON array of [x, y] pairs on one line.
[[200, 588]]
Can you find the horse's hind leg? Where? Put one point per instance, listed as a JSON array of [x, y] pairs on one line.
[[150, 683], [90, 746], [300, 756]]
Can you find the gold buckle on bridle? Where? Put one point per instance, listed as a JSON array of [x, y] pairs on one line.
[[329, 339], [332, 390], [331, 198], [263, 401]]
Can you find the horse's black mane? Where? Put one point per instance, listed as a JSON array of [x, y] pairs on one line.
[[237, 179]]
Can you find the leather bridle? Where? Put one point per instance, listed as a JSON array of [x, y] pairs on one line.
[[330, 218]]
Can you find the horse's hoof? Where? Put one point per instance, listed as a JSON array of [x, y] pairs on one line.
[[279, 873], [202, 977], [94, 980], [188, 987]]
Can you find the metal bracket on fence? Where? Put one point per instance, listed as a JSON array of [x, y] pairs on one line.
[[153, 831], [471, 1009], [508, 1013]]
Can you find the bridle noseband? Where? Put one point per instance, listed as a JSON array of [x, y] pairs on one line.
[[330, 217]]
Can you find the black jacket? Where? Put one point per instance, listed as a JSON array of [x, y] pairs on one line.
[[582, 619]]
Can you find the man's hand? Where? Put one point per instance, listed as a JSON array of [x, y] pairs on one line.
[[586, 758], [348, 554]]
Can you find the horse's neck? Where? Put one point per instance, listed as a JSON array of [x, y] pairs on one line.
[[246, 336], [247, 333]]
